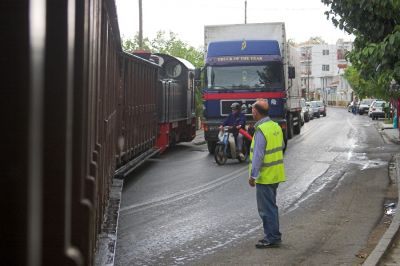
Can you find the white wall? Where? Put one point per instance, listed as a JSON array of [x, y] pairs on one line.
[[328, 84]]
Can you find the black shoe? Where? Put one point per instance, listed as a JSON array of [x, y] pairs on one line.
[[265, 244]]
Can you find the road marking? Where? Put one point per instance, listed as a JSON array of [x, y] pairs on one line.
[[185, 194]]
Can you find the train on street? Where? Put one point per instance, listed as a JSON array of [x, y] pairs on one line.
[[158, 116], [79, 111]]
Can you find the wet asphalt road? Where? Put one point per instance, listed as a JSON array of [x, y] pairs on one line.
[[182, 208]]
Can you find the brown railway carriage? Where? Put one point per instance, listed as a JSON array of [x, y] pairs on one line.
[[76, 108]]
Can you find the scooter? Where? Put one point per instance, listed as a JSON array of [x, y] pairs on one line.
[[226, 146]]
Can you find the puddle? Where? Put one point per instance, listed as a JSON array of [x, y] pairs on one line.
[[362, 160]]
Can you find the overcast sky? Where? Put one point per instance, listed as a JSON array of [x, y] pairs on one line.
[[303, 18]]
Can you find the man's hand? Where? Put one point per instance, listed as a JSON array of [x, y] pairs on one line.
[[238, 127], [252, 182]]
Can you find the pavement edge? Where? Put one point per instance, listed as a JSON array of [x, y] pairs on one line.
[[107, 241], [388, 237]]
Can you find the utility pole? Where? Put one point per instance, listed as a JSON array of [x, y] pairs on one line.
[[308, 72], [140, 26], [308, 81], [245, 12]]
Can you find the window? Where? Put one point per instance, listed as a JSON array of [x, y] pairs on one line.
[[341, 54], [267, 76], [325, 52], [325, 67]]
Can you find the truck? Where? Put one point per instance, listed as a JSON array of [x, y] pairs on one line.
[[244, 62]]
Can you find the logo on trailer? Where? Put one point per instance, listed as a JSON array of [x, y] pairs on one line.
[[244, 44]]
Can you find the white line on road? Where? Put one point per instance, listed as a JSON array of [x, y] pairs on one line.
[[185, 194]]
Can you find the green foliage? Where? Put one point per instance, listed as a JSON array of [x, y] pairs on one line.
[[315, 40], [130, 45], [365, 88], [376, 25], [170, 44]]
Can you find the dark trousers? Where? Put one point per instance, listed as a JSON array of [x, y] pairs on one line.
[[268, 211]]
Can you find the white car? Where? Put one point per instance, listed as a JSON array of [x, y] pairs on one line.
[[376, 109], [305, 115], [310, 110]]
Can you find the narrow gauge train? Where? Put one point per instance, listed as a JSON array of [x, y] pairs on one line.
[[76, 108], [175, 110]]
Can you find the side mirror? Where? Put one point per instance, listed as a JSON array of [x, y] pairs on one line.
[[292, 72], [197, 74]]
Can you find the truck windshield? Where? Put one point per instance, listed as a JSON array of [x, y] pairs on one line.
[[268, 76]]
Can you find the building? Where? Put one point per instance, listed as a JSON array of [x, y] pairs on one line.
[[322, 72]]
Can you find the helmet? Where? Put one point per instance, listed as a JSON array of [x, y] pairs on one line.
[[235, 106]]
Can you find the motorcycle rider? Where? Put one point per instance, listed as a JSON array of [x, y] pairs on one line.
[[237, 120]]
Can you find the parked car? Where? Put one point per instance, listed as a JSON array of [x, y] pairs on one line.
[[305, 116], [376, 109], [322, 108], [315, 107], [364, 106], [310, 110]]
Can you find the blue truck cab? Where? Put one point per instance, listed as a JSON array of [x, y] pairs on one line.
[[242, 71]]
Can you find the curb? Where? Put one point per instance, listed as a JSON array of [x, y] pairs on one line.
[[200, 142], [382, 127], [388, 237], [105, 255], [199, 139]]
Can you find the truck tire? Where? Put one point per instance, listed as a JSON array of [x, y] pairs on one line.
[[297, 128], [306, 117], [285, 140], [211, 146], [289, 126]]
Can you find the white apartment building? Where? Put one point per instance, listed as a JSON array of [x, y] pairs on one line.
[[322, 70]]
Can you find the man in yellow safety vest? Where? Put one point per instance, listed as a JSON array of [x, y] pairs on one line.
[[266, 171]]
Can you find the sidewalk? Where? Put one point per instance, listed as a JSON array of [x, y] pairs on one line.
[[199, 139], [387, 251], [391, 134]]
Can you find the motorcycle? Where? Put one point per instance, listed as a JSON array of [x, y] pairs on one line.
[[226, 146]]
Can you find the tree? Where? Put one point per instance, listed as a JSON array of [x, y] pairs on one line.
[[130, 45], [171, 45], [292, 42], [376, 25], [364, 88], [315, 40]]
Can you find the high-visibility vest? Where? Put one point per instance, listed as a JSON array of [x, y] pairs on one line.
[[272, 170]]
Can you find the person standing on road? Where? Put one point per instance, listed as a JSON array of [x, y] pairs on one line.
[[266, 171]]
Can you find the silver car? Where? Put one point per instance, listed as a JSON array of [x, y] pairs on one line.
[[315, 107], [310, 110]]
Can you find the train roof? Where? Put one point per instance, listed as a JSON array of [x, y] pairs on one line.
[[185, 62]]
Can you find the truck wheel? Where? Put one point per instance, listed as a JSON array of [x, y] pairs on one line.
[[211, 146], [297, 129], [290, 126], [285, 145], [306, 117]]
